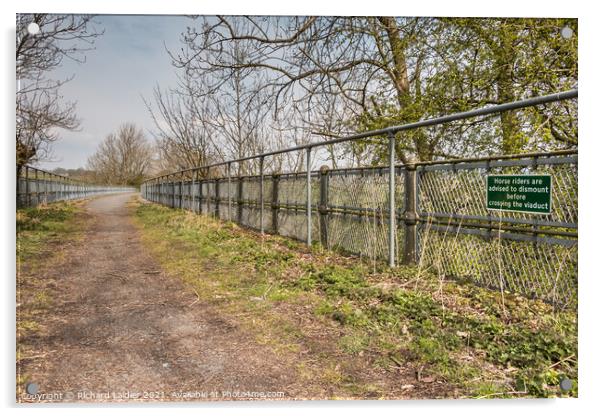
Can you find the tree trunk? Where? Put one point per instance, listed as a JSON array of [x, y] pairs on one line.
[[512, 140]]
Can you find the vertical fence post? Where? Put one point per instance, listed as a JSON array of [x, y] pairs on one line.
[[391, 199], [45, 180], [229, 191], [18, 188], [192, 192], [181, 188], [323, 208], [240, 200], [261, 194], [410, 216], [217, 200], [198, 177], [275, 205], [173, 192], [27, 194], [37, 182], [181, 184], [308, 178]]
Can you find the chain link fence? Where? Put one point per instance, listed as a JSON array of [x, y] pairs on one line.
[[431, 214], [36, 186], [535, 255]]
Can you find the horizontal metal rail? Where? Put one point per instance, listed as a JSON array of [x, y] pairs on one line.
[[492, 218], [547, 158], [454, 228], [35, 186], [529, 102]]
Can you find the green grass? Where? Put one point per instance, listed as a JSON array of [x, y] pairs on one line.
[[483, 344], [41, 233], [38, 227]]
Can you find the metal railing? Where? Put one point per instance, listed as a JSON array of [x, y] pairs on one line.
[[37, 186], [439, 206]]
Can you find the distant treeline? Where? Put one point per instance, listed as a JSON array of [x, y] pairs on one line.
[[79, 173]]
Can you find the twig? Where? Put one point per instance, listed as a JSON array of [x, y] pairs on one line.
[[198, 297], [267, 291], [396, 361], [569, 358], [501, 393]]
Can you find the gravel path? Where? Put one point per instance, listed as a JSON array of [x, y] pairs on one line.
[[120, 330]]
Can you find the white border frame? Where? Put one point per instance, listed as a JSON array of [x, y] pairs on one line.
[[512, 210]]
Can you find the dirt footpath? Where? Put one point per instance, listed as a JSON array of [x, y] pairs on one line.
[[120, 330]]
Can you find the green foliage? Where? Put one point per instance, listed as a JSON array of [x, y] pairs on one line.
[[477, 62], [433, 330], [334, 280]]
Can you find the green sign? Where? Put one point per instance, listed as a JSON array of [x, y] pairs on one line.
[[520, 193]]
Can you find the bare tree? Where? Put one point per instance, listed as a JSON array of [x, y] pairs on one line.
[[311, 59], [123, 158], [343, 74], [183, 135], [40, 110], [239, 113], [40, 113], [197, 123]]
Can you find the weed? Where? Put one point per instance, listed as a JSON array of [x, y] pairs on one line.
[[354, 343], [517, 345]]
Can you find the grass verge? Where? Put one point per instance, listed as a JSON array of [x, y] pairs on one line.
[[367, 331], [43, 234]]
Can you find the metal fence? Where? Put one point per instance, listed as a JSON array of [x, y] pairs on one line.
[[440, 219], [36, 186]]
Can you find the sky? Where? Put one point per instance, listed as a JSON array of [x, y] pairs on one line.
[[128, 61]]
